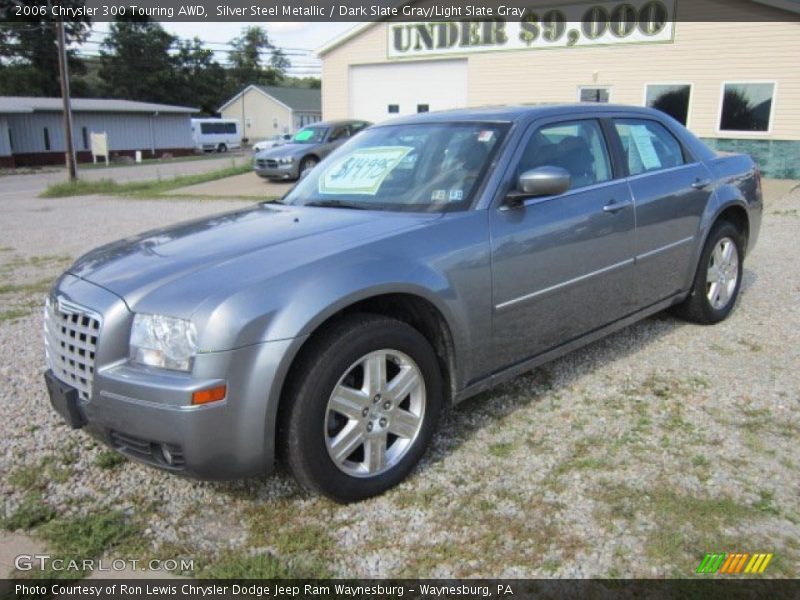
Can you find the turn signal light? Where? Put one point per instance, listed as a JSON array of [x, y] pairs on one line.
[[214, 394]]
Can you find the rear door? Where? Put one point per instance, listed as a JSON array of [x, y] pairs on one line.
[[561, 265], [671, 191]]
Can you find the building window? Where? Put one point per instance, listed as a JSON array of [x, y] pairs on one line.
[[746, 106], [594, 94], [394, 108], [422, 108], [10, 140], [672, 99], [46, 139], [85, 134]]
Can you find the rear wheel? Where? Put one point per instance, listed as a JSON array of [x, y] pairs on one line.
[[222, 148], [718, 279], [363, 406]]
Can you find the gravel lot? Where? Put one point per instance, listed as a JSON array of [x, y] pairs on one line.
[[632, 457]]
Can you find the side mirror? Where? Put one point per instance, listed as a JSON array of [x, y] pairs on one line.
[[542, 181]]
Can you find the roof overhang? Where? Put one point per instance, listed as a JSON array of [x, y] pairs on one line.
[[257, 89]]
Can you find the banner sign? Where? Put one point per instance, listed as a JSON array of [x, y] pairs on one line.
[[535, 28]]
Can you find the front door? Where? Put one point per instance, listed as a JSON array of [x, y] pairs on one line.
[[562, 266]]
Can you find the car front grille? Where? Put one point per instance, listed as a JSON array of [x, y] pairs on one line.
[[266, 163], [70, 341]]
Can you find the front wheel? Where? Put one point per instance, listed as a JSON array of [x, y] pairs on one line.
[[222, 148], [363, 406], [718, 279], [308, 163]]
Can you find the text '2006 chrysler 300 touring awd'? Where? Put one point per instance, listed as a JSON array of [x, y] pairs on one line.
[[422, 262]]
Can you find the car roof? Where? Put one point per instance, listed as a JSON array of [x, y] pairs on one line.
[[336, 123], [519, 112]]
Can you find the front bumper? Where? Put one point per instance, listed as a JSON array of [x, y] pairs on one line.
[[147, 415], [286, 171]]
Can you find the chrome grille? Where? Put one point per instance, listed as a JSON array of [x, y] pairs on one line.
[[267, 163], [70, 341]]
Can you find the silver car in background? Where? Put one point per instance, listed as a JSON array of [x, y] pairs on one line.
[[306, 148], [426, 260]]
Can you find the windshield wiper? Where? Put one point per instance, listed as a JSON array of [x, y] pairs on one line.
[[336, 204]]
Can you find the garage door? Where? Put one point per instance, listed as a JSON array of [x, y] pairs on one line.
[[380, 92]]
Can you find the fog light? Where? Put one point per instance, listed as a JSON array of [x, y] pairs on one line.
[[166, 454], [210, 395]]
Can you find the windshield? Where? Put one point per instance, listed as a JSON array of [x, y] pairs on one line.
[[432, 167], [310, 135]]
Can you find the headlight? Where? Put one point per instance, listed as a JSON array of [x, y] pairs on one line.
[[164, 342], [286, 160]]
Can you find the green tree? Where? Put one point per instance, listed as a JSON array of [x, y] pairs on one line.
[[29, 54], [202, 79], [279, 62], [136, 63], [248, 64]]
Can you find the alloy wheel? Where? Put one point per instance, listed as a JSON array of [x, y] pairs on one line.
[[375, 413]]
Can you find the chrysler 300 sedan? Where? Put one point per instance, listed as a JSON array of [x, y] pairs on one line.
[[427, 259]]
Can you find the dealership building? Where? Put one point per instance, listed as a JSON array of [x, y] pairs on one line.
[[728, 69]]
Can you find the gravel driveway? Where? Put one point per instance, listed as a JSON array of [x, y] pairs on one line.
[[632, 457]]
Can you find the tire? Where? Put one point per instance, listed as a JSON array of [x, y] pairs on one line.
[[222, 148], [377, 438], [308, 163], [707, 304]]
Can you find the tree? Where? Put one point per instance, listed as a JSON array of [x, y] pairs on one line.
[[279, 62], [29, 54], [200, 77], [136, 63], [247, 59]]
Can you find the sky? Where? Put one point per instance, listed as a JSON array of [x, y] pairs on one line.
[[302, 35]]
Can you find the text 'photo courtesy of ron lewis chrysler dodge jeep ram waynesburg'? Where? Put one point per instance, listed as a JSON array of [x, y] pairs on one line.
[[423, 261]]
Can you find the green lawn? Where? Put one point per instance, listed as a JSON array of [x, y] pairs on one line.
[[146, 189]]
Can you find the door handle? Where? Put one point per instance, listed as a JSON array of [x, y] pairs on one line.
[[614, 207], [701, 184]]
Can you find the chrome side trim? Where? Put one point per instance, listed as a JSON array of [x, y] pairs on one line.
[[664, 248], [158, 405], [552, 288]]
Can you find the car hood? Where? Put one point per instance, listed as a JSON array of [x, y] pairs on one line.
[[286, 150], [258, 243]]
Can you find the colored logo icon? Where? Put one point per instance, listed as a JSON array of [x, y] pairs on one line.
[[734, 564]]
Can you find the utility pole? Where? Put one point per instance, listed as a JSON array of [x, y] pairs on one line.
[[63, 71]]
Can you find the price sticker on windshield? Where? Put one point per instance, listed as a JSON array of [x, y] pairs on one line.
[[362, 171]]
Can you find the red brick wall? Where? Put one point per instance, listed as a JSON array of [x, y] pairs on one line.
[[7, 162]]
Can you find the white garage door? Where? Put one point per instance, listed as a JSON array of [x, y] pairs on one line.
[[380, 92]]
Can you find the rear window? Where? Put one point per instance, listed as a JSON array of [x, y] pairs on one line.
[[648, 146]]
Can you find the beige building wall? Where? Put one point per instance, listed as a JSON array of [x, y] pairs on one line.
[[263, 116], [704, 54]]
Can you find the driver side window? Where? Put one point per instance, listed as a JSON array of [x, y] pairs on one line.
[[339, 133], [575, 146]]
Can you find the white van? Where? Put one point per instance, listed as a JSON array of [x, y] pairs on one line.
[[216, 135]]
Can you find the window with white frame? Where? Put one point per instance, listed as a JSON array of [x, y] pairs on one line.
[[670, 98], [594, 94], [747, 107]]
